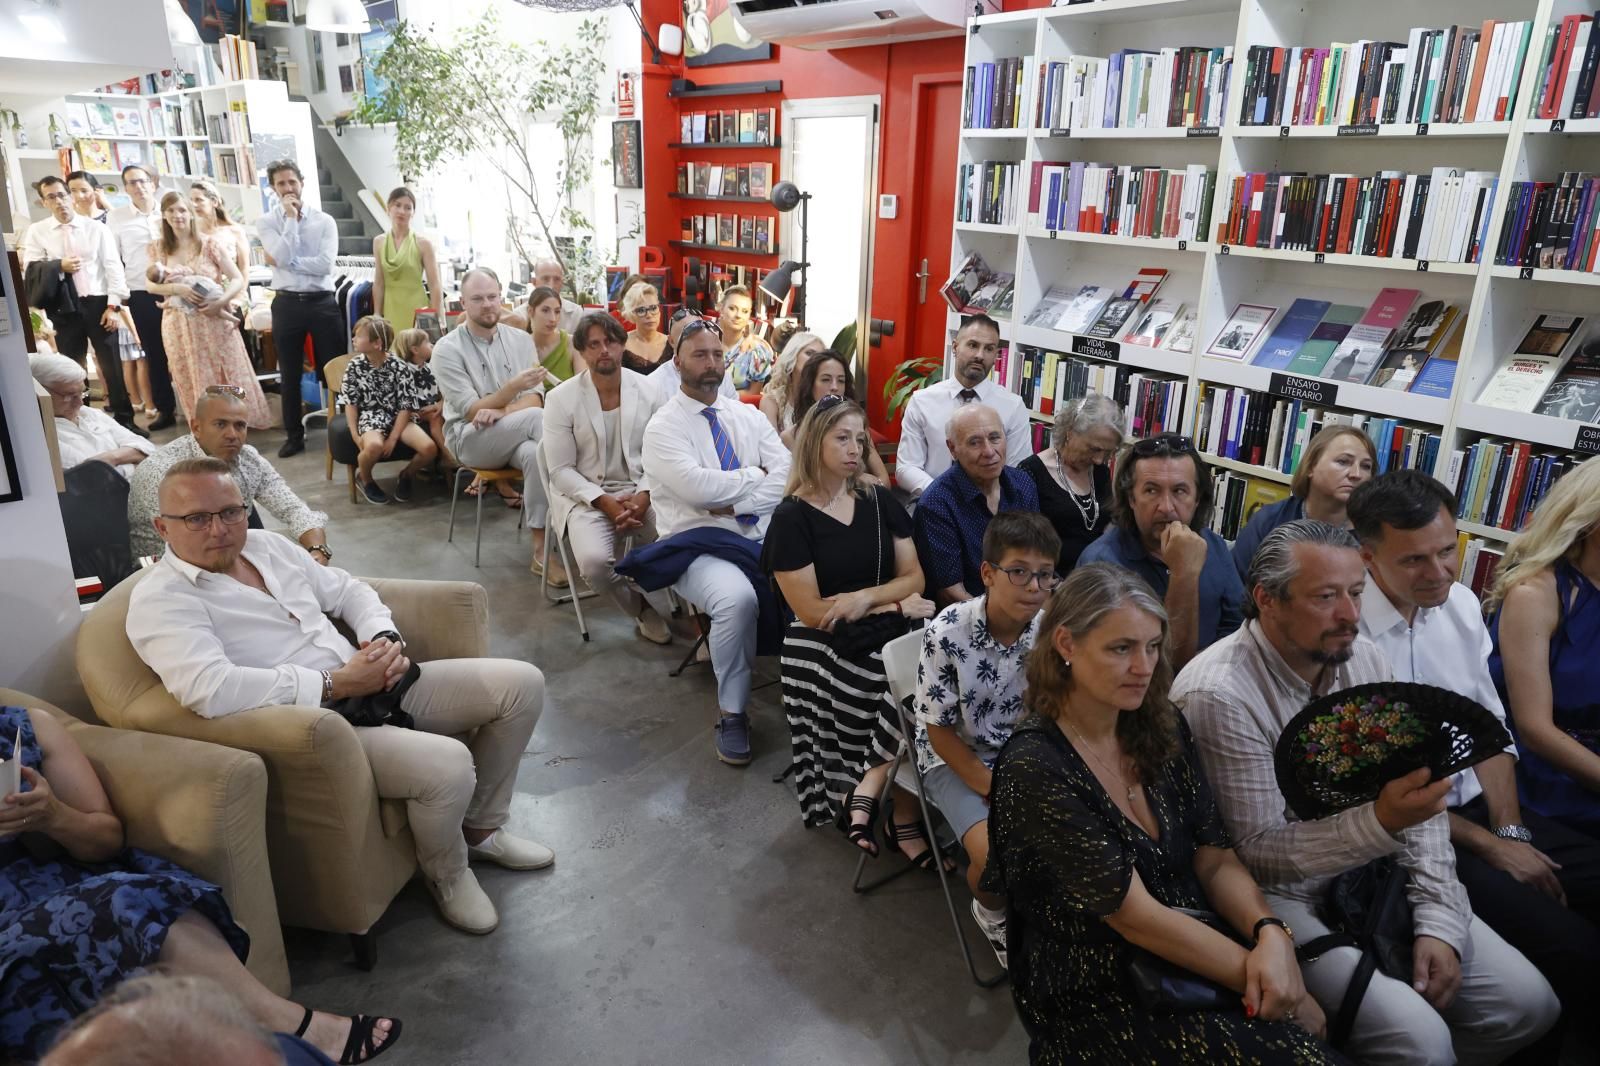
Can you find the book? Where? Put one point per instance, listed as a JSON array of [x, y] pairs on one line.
[[1049, 307], [77, 116], [1520, 382], [1151, 326], [747, 127], [764, 125], [127, 120], [760, 180], [1424, 330], [973, 285], [102, 118], [1292, 331], [1438, 374], [1314, 354], [993, 297], [1575, 393], [764, 233], [1144, 284], [95, 156], [131, 154], [1550, 334], [1114, 317], [730, 127], [1180, 335], [1245, 326], [1083, 308], [1358, 354]]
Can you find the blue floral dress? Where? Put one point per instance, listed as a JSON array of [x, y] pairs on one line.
[[71, 931]]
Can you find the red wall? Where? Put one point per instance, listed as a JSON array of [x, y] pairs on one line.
[[885, 71]]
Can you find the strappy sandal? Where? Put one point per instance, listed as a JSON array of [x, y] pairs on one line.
[[358, 1047], [863, 834], [905, 833]]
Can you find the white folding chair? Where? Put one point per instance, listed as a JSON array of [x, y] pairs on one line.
[[573, 597], [900, 665]]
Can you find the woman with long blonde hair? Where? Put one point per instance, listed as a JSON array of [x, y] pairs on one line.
[[777, 398], [1546, 641]]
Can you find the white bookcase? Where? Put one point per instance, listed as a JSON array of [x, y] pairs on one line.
[[1500, 301]]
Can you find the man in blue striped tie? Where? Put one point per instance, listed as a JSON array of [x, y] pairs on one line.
[[718, 468]]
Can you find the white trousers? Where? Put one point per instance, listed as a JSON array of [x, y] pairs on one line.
[[595, 547], [1503, 1004], [512, 441], [721, 590]]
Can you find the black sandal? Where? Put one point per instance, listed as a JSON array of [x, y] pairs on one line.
[[905, 832], [358, 1045], [864, 834]]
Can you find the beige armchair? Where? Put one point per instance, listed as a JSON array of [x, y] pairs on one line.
[[200, 805], [339, 853]]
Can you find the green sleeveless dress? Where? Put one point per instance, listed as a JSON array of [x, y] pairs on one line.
[[559, 361], [403, 291]]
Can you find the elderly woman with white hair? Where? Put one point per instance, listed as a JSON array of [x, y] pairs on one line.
[[648, 347], [83, 433], [1074, 475]]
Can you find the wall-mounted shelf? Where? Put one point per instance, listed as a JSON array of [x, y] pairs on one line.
[[723, 144], [736, 250], [683, 89], [722, 199]]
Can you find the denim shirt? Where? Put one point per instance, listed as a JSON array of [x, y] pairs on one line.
[[1221, 591]]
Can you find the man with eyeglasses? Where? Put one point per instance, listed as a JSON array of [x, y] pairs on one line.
[[954, 512], [135, 226], [82, 433], [1160, 530], [234, 619], [85, 252], [970, 681], [220, 430]]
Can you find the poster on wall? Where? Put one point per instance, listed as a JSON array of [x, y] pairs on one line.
[[626, 167], [384, 16], [711, 36]]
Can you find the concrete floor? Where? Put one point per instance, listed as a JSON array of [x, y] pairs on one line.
[[689, 918]]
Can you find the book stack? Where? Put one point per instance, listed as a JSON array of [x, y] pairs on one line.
[[1459, 74], [1499, 483], [1251, 427], [1396, 343], [1565, 82], [1238, 497], [975, 288], [1125, 201], [238, 57], [1152, 403], [714, 180], [1479, 562], [1552, 225], [991, 98], [745, 233], [750, 126], [1523, 382], [1135, 89], [988, 192], [1129, 313], [1442, 216]]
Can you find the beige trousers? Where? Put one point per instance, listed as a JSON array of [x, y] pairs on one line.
[[596, 547], [447, 784]]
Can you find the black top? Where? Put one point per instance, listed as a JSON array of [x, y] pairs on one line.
[[847, 558], [1055, 503], [640, 365]]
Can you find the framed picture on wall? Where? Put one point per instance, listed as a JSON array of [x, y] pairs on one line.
[[711, 36], [626, 167], [10, 487]]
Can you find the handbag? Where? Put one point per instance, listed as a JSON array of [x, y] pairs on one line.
[[868, 634], [380, 708], [1365, 908], [1163, 987]]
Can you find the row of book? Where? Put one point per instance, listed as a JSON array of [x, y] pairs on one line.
[[750, 126], [1553, 225], [713, 180], [1130, 314], [992, 95], [1263, 430], [162, 81], [1399, 341], [178, 158], [1567, 70], [237, 57], [1152, 403], [1238, 497], [229, 127], [1135, 89], [751, 233], [1499, 483], [1125, 201], [988, 192], [1456, 74], [1441, 216], [1554, 371], [1479, 561]]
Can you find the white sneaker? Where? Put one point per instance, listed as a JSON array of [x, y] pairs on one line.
[[993, 931], [463, 904], [653, 627], [512, 852]]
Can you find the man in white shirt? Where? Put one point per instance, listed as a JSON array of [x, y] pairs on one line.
[[301, 244], [234, 619], [87, 254], [493, 391], [922, 455], [548, 273], [1534, 881], [716, 463], [82, 433], [135, 226], [663, 382], [593, 441]]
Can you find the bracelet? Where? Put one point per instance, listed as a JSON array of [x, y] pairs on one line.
[[1513, 832], [1255, 933], [327, 686], [899, 610]]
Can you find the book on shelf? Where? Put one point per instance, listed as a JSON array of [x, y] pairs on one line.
[[1258, 429], [728, 127], [128, 120], [699, 127], [1145, 283], [1575, 393], [1180, 336], [1238, 336], [101, 118], [1424, 334], [94, 155], [766, 123], [1153, 403], [129, 154], [77, 116], [1564, 80], [1358, 355], [1442, 215], [728, 231], [1292, 331], [730, 182], [1114, 317], [1324, 340], [992, 94], [1499, 483], [1552, 225], [1479, 562], [742, 180], [1127, 201], [1150, 327], [763, 233], [760, 180], [1447, 75], [1082, 308], [1521, 381], [1238, 497], [973, 286], [747, 127], [1438, 374], [1135, 89], [988, 192]]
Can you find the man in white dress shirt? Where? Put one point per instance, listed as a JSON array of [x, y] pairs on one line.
[[923, 455], [135, 226], [88, 255], [593, 441], [663, 382], [716, 463], [1533, 880], [234, 619]]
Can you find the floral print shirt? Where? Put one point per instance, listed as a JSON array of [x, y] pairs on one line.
[[970, 681], [750, 362], [379, 392], [426, 388]]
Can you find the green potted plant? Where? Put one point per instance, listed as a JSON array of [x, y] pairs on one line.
[[906, 378]]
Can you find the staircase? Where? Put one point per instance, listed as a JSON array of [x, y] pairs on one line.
[[354, 238]]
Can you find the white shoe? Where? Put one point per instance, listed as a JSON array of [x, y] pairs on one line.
[[512, 852], [653, 627], [463, 904], [994, 932]]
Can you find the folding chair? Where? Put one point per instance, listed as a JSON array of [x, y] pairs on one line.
[[488, 477], [900, 664], [573, 597]]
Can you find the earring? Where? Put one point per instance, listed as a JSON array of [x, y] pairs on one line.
[[1066, 662]]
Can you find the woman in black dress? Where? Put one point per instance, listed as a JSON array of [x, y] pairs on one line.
[[1074, 475], [1102, 829], [841, 552]]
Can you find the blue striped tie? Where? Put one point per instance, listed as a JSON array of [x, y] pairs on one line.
[[725, 455]]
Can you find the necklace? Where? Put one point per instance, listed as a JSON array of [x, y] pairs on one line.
[[1087, 503], [1083, 745]]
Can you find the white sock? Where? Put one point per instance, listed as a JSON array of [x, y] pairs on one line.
[[486, 841], [990, 915]]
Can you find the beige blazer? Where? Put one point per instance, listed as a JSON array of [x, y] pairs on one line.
[[574, 440]]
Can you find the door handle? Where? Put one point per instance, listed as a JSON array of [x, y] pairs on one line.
[[922, 283]]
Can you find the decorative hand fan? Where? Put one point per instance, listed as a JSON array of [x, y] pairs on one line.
[[1341, 749]]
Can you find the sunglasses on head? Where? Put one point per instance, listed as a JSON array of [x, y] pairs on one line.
[[1163, 444], [829, 402], [697, 325], [225, 390]]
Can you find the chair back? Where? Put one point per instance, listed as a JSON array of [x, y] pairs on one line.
[[333, 374], [900, 658]]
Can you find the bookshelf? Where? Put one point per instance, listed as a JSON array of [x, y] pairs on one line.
[[1498, 301]]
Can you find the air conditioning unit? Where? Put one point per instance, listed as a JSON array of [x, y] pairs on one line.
[[826, 24]]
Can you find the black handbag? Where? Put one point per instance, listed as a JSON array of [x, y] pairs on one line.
[[1365, 908], [380, 708], [1162, 987], [851, 640]]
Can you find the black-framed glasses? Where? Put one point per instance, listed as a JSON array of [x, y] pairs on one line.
[[198, 521], [696, 326], [225, 390], [1020, 575], [1162, 444], [647, 309]]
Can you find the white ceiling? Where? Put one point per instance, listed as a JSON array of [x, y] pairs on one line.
[[50, 47]]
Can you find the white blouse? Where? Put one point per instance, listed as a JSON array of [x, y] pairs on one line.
[[95, 433]]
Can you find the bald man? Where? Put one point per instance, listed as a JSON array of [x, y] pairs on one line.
[[956, 506]]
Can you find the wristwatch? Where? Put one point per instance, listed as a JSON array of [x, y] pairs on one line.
[[1255, 933], [392, 636], [1513, 832], [322, 550]]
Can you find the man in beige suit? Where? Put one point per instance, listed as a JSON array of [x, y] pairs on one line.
[[599, 498]]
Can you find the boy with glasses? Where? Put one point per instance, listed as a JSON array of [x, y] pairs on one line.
[[1161, 517], [969, 689]]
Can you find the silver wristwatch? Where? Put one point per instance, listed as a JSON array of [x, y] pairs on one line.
[[1513, 832]]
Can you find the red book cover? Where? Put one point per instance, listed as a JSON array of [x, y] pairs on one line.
[[1391, 205], [1519, 467], [1258, 185], [1389, 310], [1144, 221], [1352, 188], [1033, 187], [1475, 88], [1558, 67]]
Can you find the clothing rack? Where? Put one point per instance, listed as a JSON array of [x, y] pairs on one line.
[[355, 267]]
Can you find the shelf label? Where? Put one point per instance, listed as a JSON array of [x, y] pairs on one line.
[[1318, 257], [1525, 274], [1311, 390], [1422, 266], [1183, 246], [1283, 131], [1361, 129], [1203, 131], [1558, 125], [1059, 132], [1588, 441], [1097, 348], [1052, 234], [1223, 250], [1422, 129]]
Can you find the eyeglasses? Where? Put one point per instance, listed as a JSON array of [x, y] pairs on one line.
[[1020, 575], [1162, 444], [225, 390], [696, 326], [63, 195], [201, 520], [647, 309]]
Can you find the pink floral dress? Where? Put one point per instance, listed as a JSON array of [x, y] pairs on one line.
[[205, 349]]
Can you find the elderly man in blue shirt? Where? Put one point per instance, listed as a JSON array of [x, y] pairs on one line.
[[1162, 512], [301, 243]]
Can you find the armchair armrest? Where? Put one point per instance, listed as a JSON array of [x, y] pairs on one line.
[[439, 619]]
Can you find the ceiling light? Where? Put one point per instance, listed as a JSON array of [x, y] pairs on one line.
[[337, 16]]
